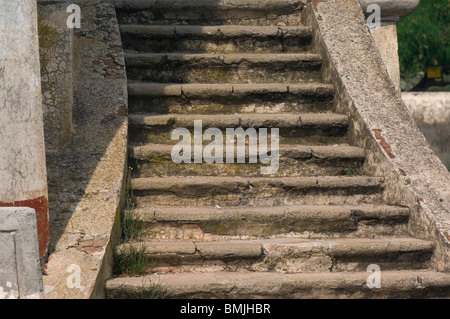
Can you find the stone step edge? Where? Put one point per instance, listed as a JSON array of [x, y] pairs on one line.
[[149, 151], [282, 247], [219, 32], [283, 120], [264, 5], [275, 60], [200, 90], [334, 284], [204, 185], [359, 213]]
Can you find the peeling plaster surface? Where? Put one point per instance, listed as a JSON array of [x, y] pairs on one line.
[[86, 174], [22, 164]]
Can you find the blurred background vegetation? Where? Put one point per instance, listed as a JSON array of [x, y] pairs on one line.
[[424, 40], [424, 52]]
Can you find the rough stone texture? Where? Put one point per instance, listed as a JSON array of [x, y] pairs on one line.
[[55, 47], [86, 175], [226, 98], [20, 272], [289, 255], [429, 107], [386, 41], [237, 234], [418, 284], [382, 123], [390, 9], [302, 221], [223, 68], [216, 39], [23, 173], [248, 12]]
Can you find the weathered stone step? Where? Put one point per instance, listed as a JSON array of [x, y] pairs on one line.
[[212, 223], [291, 255], [229, 98], [266, 5], [294, 160], [393, 284], [248, 12], [216, 39], [283, 120], [195, 90], [224, 68], [257, 191], [146, 128]]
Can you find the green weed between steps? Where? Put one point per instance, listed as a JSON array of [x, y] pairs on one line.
[[153, 291], [131, 224], [349, 173], [132, 261]]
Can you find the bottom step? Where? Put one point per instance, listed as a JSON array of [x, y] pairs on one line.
[[393, 284]]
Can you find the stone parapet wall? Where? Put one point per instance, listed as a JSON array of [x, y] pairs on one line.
[[429, 107], [86, 173], [381, 123]]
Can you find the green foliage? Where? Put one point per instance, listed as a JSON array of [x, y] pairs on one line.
[[424, 37], [131, 225], [132, 261], [349, 173], [154, 291]]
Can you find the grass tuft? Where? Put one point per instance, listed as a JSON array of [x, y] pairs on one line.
[[132, 261], [154, 291]]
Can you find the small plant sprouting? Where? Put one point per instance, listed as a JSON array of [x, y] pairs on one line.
[[131, 225], [153, 291], [132, 260], [349, 173]]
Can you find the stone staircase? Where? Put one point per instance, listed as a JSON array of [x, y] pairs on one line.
[[225, 230]]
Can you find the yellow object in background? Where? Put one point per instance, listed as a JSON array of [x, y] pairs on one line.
[[434, 73]]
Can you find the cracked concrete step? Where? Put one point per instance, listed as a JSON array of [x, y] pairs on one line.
[[216, 39], [224, 68], [195, 90], [393, 284], [295, 160], [265, 5], [257, 191], [146, 128], [212, 223], [291, 255], [248, 12], [230, 98]]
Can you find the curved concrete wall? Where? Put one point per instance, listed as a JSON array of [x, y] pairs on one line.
[[382, 124]]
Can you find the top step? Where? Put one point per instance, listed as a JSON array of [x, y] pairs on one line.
[[210, 12], [266, 5]]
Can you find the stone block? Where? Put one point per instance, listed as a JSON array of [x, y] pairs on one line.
[[20, 274]]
